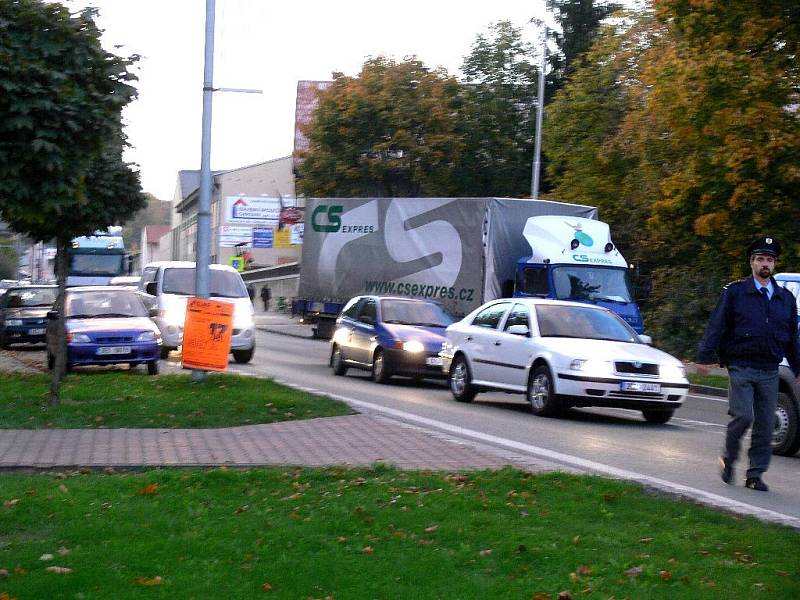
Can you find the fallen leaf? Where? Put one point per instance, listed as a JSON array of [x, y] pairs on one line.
[[565, 595], [59, 570], [584, 570], [63, 551], [781, 573], [265, 587], [541, 596], [157, 580], [576, 540], [665, 575], [367, 550], [3, 573], [485, 552], [63, 488], [150, 489], [5, 596], [11, 503], [633, 572], [573, 577], [431, 529], [20, 572], [242, 509], [46, 557], [646, 540]]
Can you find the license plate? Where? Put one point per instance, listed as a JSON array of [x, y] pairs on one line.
[[35, 331], [639, 386], [114, 350], [433, 361]]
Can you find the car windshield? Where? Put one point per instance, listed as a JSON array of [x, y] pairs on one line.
[[101, 303], [591, 283], [580, 322], [414, 312], [30, 296], [222, 284]]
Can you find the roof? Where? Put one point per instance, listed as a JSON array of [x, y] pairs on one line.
[[186, 264], [153, 233]]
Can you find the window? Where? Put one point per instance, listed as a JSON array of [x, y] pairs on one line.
[[369, 311], [533, 281], [490, 316], [222, 283], [350, 309], [518, 316]]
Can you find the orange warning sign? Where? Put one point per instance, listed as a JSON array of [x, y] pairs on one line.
[[207, 334]]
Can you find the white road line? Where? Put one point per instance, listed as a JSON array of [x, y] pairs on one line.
[[708, 498]]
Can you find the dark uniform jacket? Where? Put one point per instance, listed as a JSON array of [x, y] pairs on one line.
[[746, 330]]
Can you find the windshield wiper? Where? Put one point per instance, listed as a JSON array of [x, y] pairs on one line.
[[218, 295], [428, 324], [110, 315], [79, 316]]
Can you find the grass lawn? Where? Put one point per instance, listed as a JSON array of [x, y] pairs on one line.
[[376, 533], [170, 401], [720, 381]]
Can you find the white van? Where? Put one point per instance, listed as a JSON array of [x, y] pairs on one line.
[[168, 285]]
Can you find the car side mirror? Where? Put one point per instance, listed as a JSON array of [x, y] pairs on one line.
[[519, 330], [52, 315], [152, 312], [646, 339], [151, 288]]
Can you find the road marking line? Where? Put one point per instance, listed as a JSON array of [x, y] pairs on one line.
[[709, 498]]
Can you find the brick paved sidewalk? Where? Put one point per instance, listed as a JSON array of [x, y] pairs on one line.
[[347, 440]]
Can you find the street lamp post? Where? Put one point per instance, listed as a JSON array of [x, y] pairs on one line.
[[537, 152]]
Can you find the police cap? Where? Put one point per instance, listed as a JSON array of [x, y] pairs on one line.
[[764, 245]]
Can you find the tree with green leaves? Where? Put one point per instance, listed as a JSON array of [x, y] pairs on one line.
[[62, 174], [390, 131]]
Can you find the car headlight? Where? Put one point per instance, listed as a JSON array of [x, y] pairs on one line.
[[14, 322], [146, 336], [672, 372], [413, 346], [78, 338], [591, 366]]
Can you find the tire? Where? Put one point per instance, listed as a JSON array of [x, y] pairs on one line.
[[152, 367], [381, 371], [243, 356], [785, 435], [657, 416], [337, 361], [165, 350], [540, 393], [460, 381]]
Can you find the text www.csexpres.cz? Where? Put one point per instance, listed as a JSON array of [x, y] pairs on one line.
[[418, 290]]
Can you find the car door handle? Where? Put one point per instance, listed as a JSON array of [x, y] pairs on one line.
[[497, 343], [469, 338]]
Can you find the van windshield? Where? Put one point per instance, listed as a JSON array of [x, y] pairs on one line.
[[222, 284]]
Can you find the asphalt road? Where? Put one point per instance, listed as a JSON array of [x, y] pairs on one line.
[[680, 455]]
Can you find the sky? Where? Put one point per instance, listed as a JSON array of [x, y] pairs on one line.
[[267, 45]]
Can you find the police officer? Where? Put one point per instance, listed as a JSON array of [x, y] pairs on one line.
[[751, 330]]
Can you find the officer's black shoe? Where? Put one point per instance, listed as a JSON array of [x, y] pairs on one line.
[[755, 483], [725, 469]]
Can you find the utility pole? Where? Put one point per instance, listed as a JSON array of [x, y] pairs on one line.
[[537, 152]]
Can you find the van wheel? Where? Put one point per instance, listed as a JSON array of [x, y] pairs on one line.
[[381, 372], [541, 395], [165, 352], [460, 381], [657, 416], [243, 356], [785, 436]]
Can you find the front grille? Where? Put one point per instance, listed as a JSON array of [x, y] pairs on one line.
[[114, 339], [653, 395], [641, 369]]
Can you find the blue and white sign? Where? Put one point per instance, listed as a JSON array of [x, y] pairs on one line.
[[262, 237], [260, 210]]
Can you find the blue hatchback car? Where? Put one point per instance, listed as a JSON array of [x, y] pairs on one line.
[[390, 336], [106, 325]]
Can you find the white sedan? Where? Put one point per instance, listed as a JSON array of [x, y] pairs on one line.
[[561, 354]]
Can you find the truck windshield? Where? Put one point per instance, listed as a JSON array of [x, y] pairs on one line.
[[96, 264], [222, 284], [591, 283]]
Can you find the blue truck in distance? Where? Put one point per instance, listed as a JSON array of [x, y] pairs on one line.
[[461, 252], [96, 259]]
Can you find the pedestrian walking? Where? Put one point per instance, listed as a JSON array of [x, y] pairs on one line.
[[266, 295], [752, 328]]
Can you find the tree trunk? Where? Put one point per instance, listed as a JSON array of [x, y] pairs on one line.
[[60, 349]]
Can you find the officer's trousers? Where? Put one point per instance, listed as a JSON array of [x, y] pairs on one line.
[[752, 396]]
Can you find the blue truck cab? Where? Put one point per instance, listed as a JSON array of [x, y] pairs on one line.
[[573, 258]]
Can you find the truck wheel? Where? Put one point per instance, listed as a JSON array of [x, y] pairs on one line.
[[337, 361], [460, 381], [657, 416], [381, 371], [785, 436], [243, 356], [540, 393]]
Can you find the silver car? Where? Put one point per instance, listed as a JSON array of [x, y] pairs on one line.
[[561, 354]]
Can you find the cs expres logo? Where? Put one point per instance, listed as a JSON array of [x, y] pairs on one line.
[[328, 219]]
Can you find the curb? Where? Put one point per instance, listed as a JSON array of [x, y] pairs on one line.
[[305, 336], [708, 390]]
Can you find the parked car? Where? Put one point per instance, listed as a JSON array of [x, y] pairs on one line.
[[561, 354], [105, 325], [169, 285], [390, 336], [6, 284], [786, 435], [23, 314]]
